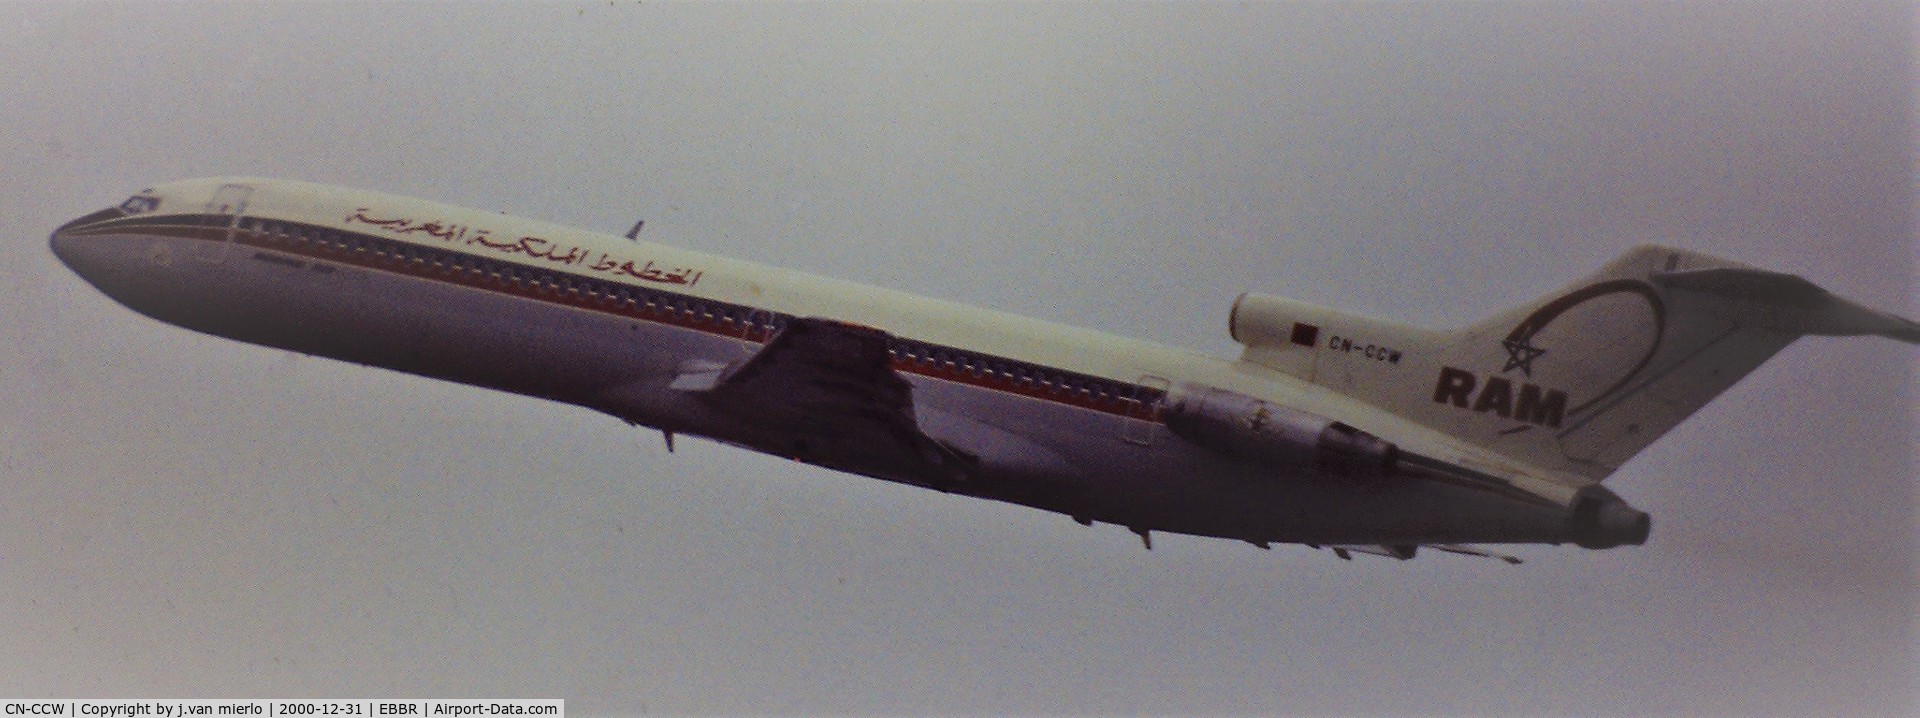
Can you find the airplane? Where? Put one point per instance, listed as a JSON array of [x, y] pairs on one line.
[[1331, 429]]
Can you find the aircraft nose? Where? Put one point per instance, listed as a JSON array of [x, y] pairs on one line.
[[62, 247], [66, 246]]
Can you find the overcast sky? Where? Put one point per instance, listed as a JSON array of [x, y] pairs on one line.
[[182, 515]]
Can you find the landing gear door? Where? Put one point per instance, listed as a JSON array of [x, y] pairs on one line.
[[229, 203], [1143, 410]]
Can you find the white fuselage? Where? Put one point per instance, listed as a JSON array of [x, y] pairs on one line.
[[1060, 418]]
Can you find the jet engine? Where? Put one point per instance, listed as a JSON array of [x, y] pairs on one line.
[[1241, 426]]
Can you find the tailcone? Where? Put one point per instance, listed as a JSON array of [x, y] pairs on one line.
[[1601, 519]]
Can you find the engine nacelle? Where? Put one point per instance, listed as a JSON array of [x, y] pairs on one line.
[[1244, 427]]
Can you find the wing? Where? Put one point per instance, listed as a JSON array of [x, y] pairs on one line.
[[824, 392]]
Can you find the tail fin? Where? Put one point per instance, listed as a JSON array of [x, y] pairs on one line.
[[1579, 381]]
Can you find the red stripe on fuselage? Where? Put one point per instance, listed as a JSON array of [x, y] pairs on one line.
[[604, 303]]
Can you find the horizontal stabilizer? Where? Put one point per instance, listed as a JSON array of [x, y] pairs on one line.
[[1790, 303]]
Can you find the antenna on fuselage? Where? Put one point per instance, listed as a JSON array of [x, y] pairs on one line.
[[634, 234]]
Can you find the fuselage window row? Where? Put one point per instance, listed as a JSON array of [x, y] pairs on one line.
[[733, 320]]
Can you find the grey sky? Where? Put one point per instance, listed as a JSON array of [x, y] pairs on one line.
[[185, 515]]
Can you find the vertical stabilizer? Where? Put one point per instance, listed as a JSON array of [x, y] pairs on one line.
[[1580, 380]]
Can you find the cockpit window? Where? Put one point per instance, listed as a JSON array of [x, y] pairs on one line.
[[140, 203]]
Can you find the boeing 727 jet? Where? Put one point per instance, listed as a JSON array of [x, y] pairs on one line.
[[1331, 429]]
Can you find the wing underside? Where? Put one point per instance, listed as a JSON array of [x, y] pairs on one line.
[[1407, 551], [824, 392]]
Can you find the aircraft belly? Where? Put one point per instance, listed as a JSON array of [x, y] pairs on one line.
[[1078, 462]]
